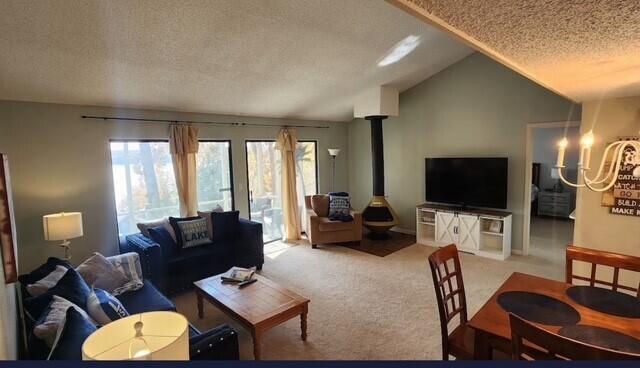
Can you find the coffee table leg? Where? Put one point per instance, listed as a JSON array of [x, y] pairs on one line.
[[303, 325], [200, 306], [256, 344]]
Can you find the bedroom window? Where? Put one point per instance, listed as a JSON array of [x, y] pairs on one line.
[[144, 183]]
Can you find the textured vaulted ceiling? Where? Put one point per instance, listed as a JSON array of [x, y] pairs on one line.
[[583, 49], [302, 59]]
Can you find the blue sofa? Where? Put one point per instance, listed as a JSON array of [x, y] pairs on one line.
[[219, 343], [174, 270]]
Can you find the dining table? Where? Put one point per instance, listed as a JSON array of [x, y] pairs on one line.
[[580, 312]]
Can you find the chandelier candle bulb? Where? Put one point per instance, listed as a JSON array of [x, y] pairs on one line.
[[562, 146]]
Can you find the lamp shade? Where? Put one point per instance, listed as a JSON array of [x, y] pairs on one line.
[[62, 226], [334, 151], [164, 335]]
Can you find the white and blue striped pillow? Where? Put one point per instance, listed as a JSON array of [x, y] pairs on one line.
[[104, 307]]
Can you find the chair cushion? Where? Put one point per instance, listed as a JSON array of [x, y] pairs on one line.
[[49, 322], [207, 215], [41, 286], [129, 265], [227, 225], [339, 205], [146, 299], [164, 222], [199, 257], [320, 205], [328, 225], [461, 342]]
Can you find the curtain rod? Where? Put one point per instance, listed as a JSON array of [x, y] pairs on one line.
[[201, 122]]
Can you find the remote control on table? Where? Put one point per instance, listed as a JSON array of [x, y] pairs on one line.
[[245, 283]]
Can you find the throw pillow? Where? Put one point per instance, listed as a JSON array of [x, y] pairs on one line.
[[176, 229], [320, 205], [339, 206], [70, 336], [48, 324], [161, 236], [145, 226], [104, 307], [42, 271], [194, 232], [98, 272], [71, 287], [207, 215], [129, 265], [227, 225], [41, 286]]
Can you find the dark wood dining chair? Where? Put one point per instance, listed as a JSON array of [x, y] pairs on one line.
[[550, 346], [601, 258], [449, 287]]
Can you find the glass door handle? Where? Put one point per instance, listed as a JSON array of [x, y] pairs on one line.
[[251, 196]]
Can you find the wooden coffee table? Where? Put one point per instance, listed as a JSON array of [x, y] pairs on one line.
[[258, 306]]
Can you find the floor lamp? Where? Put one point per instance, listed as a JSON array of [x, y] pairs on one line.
[[333, 152]]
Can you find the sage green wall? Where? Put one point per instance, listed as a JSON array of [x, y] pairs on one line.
[[475, 107], [61, 162]]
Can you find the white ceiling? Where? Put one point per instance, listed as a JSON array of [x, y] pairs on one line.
[[305, 59], [583, 49]]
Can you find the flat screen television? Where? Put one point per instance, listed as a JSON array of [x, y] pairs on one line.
[[476, 182]]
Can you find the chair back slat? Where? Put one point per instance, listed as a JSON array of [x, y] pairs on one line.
[[601, 258], [451, 298], [529, 342]]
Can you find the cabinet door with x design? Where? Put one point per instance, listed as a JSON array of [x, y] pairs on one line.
[[468, 232]]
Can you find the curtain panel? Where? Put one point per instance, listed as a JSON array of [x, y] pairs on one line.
[[286, 143], [183, 140]]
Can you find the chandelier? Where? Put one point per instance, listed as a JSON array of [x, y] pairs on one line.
[[622, 154]]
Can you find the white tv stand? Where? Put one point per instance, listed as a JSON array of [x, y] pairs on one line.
[[484, 233]]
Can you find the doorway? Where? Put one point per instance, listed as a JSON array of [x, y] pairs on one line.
[[263, 174], [549, 203]]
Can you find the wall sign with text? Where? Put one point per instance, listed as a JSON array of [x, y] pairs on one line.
[[626, 191]]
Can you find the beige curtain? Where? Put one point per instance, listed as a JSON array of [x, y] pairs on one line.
[[286, 143], [183, 140]]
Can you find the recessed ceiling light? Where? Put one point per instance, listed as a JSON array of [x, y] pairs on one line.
[[400, 50]]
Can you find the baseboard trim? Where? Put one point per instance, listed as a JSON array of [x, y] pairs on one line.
[[403, 231], [517, 252]]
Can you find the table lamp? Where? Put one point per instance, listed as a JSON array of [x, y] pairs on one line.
[[63, 226], [144, 336]]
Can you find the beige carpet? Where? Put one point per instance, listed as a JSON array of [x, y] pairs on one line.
[[364, 306]]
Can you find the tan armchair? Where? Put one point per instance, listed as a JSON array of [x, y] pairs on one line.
[[321, 230]]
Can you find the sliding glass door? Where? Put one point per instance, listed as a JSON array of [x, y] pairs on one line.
[[263, 173]]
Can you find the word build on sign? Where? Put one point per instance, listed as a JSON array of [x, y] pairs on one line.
[[626, 192]]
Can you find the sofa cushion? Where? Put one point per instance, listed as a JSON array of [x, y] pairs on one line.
[[71, 287], [41, 286], [145, 299], [42, 271], [70, 337], [227, 225], [164, 222], [174, 224], [320, 204], [199, 257], [207, 215], [339, 205], [328, 225], [104, 307], [194, 232], [47, 325], [129, 265], [98, 272], [161, 236]]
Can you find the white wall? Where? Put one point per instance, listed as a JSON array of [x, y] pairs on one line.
[[60, 161], [595, 226], [475, 107]]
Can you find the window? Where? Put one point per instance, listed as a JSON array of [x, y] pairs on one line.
[[263, 173], [144, 183]]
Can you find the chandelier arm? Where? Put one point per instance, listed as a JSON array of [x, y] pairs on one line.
[[564, 180], [613, 181], [597, 180]]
